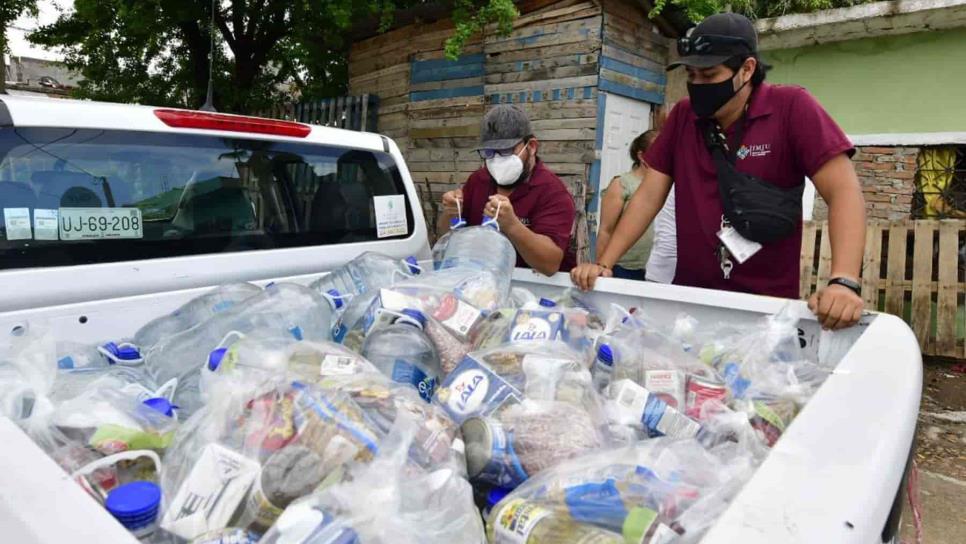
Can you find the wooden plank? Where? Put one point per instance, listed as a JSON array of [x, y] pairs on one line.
[[896, 268], [474, 81], [824, 258], [564, 83], [542, 74], [467, 101], [525, 37], [540, 125], [631, 81], [452, 122], [808, 259], [583, 30], [476, 112], [473, 47], [871, 262], [567, 134], [498, 65], [921, 316], [576, 11], [946, 299], [466, 131]]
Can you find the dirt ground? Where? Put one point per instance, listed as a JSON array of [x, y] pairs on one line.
[[941, 456]]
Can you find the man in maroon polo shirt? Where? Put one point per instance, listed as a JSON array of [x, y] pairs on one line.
[[531, 205], [780, 135]]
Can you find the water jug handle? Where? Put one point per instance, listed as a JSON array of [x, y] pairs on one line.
[[80, 475], [492, 221]]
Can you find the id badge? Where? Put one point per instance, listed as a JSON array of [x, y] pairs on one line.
[[740, 247]]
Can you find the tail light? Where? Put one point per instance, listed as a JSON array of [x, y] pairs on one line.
[[231, 123]]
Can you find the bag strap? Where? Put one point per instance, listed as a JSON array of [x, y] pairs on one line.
[[715, 141]]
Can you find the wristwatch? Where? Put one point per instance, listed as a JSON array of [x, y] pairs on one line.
[[855, 287]]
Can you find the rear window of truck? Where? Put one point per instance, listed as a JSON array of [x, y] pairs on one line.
[[79, 196]]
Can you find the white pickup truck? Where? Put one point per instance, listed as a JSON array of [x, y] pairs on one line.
[[115, 214]]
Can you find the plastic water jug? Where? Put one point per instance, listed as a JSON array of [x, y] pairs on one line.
[[367, 272], [73, 356], [194, 312], [403, 352], [281, 310], [482, 248], [439, 248]]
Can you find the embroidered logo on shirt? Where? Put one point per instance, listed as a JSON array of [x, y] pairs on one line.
[[757, 150], [525, 221]]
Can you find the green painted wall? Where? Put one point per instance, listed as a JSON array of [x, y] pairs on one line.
[[895, 84]]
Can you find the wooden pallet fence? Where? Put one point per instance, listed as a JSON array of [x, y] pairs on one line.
[[912, 269], [349, 112]]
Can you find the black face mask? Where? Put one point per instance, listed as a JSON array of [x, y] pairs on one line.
[[707, 98]]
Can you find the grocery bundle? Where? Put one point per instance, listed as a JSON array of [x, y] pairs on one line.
[[393, 402]]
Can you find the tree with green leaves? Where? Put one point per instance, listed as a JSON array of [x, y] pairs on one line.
[[10, 11], [157, 51]]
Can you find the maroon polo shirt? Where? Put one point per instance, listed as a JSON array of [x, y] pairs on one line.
[[787, 136], [542, 203]]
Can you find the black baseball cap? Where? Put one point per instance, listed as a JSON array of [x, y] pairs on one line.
[[717, 39]]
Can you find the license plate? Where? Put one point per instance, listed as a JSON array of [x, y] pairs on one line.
[[100, 223]]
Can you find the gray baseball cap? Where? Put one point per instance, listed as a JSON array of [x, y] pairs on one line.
[[504, 126]]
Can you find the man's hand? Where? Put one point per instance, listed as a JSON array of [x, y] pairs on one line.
[[452, 200], [585, 275], [506, 218], [836, 307]]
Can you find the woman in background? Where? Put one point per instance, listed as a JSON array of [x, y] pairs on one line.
[[656, 251]]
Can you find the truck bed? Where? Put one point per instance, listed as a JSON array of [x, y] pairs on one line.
[[832, 477]]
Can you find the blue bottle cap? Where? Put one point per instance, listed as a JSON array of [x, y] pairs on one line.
[[336, 298], [490, 222], [134, 504], [414, 267], [457, 222], [606, 354], [162, 405], [215, 357], [416, 315], [496, 495], [547, 303], [123, 352]]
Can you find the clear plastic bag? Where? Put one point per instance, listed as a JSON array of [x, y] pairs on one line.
[[662, 490], [437, 442], [111, 421], [386, 501], [523, 408], [576, 328], [248, 453], [27, 377], [452, 320]]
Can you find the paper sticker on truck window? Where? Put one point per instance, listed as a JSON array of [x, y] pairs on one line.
[[45, 224], [100, 223], [17, 223], [390, 215]]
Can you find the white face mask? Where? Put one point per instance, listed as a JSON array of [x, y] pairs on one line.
[[505, 170]]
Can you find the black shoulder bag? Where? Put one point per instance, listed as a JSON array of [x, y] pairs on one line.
[[758, 210]]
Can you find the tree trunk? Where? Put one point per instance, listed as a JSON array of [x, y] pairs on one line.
[[3, 62]]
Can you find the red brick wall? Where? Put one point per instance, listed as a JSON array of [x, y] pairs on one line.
[[887, 175]]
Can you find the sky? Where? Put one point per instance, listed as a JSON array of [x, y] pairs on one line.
[[16, 34]]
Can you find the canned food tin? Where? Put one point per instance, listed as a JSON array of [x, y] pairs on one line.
[[490, 456], [701, 391]]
